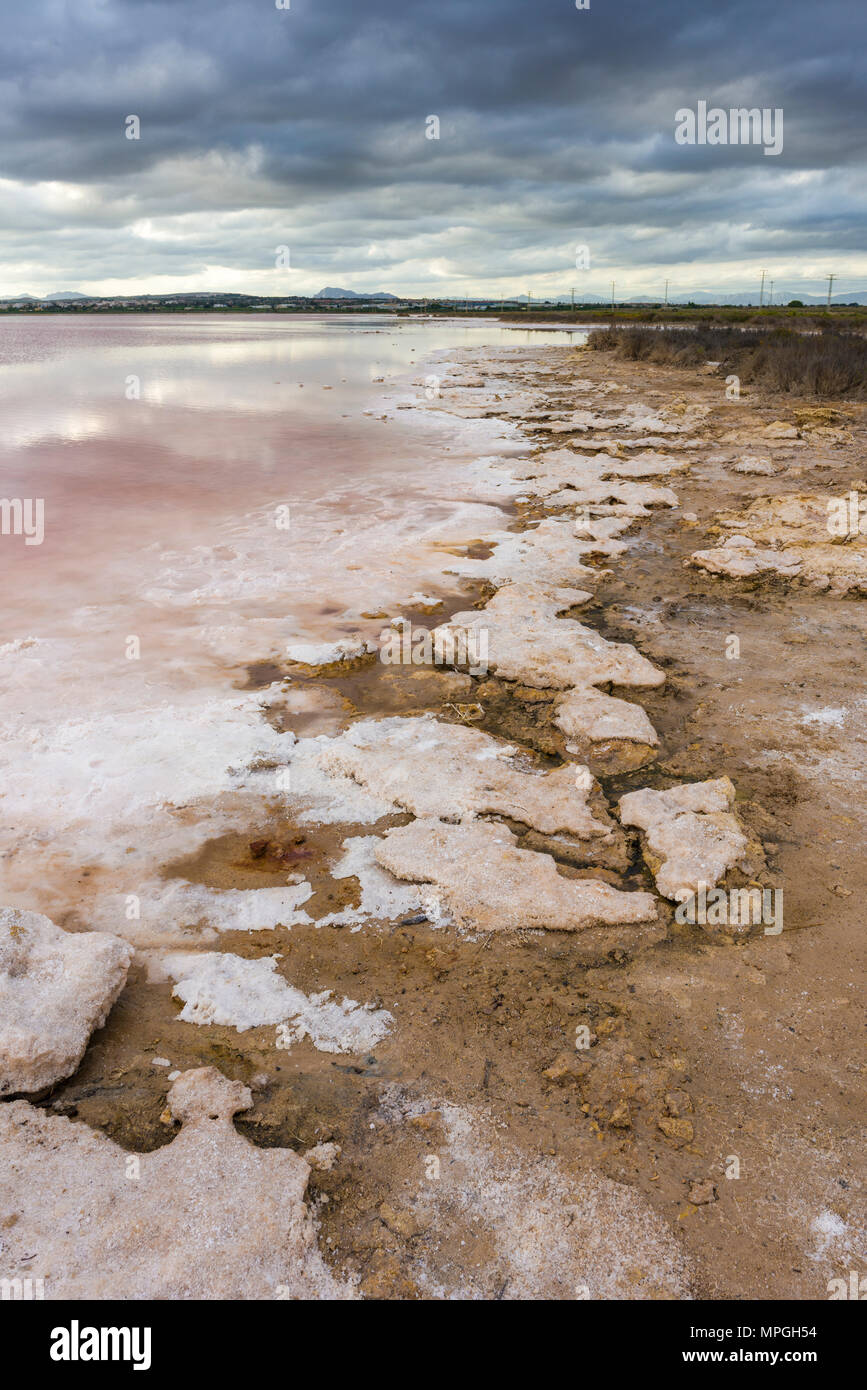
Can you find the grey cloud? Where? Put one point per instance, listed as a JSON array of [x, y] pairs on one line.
[[556, 125]]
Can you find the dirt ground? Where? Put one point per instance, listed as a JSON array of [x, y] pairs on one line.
[[753, 1044]]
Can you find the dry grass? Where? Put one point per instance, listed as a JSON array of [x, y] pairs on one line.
[[825, 364]]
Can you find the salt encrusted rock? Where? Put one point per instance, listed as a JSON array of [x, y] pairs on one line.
[[617, 443], [740, 558], [457, 773], [613, 735], [651, 464], [207, 1216], [637, 418], [780, 430], [548, 554], [602, 481], [326, 653], [483, 882], [566, 467], [56, 988], [528, 642], [598, 535], [614, 498], [752, 463], [811, 538], [692, 837]]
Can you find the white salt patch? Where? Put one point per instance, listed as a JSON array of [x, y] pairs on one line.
[[336, 1027], [834, 717], [226, 989], [383, 898], [833, 1235], [324, 653], [170, 909], [327, 798], [555, 1234], [115, 769]]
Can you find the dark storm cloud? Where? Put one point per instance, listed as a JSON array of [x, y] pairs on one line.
[[308, 125]]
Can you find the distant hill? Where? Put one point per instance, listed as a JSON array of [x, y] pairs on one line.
[[46, 298], [330, 292]]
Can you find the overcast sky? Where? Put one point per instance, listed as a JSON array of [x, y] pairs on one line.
[[307, 128]]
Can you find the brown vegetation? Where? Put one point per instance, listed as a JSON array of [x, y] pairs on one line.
[[824, 364]]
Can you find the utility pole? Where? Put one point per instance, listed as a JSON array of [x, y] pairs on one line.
[[771, 295], [762, 289], [573, 299], [666, 294], [612, 296], [831, 279], [529, 297]]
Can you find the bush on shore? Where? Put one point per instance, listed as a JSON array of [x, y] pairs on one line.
[[824, 364]]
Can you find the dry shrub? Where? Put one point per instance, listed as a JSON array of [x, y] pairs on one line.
[[822, 364]]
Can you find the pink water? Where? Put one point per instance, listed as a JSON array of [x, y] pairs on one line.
[[163, 448]]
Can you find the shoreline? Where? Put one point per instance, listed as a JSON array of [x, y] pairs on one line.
[[643, 995]]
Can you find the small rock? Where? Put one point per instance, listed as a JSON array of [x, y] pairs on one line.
[[429, 1120], [702, 1191], [678, 1104], [678, 1131], [620, 1117], [750, 463], [406, 1224], [565, 1069], [323, 1157]]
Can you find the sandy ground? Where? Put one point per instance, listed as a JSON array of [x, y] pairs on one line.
[[481, 1154]]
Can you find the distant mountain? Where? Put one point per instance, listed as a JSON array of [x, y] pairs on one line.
[[330, 292], [44, 299]]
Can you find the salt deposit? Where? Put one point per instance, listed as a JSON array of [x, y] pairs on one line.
[[691, 834], [177, 1225], [481, 880], [222, 988], [528, 641], [56, 989], [804, 537], [456, 773]]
